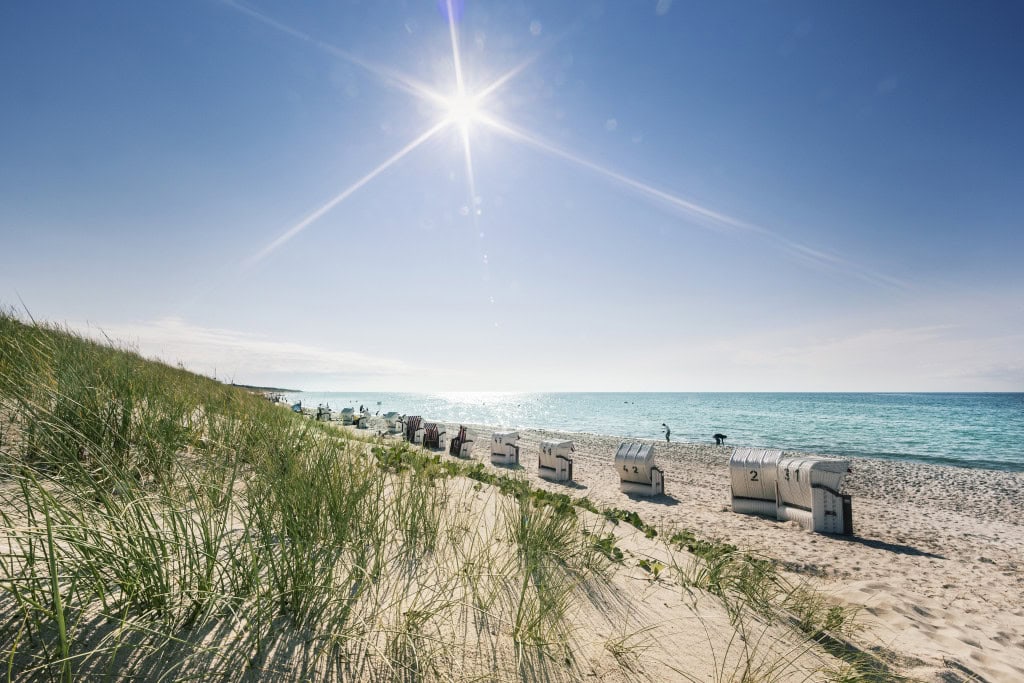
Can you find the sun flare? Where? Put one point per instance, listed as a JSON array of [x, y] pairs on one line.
[[463, 109]]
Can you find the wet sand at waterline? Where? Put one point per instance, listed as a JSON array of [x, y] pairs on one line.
[[935, 565]]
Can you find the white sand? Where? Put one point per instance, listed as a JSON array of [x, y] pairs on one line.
[[936, 563]]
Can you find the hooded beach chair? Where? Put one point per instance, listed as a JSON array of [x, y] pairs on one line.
[[638, 473], [504, 449], [414, 429], [461, 446], [394, 421], [435, 435], [554, 462]]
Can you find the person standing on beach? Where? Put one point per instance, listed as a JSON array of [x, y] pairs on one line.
[[668, 432]]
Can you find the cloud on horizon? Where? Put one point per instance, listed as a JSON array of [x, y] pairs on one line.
[[249, 358], [937, 357], [918, 359]]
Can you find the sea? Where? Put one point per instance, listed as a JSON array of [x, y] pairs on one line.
[[966, 430]]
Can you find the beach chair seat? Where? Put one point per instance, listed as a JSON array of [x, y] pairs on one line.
[[461, 446]]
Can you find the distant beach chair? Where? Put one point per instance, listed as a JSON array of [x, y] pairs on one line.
[[393, 421], [347, 415], [414, 429], [504, 448], [461, 445], [435, 435], [638, 473], [324, 414], [803, 489], [554, 462]]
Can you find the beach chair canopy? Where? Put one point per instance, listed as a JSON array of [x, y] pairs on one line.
[[634, 461], [752, 473]]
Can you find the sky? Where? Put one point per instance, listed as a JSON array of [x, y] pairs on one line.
[[524, 196]]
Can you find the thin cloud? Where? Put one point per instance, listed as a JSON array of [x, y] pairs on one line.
[[920, 358], [241, 356]]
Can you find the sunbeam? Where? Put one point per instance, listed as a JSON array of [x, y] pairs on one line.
[[460, 84], [704, 215], [462, 109], [343, 195], [469, 168], [707, 215], [385, 74], [501, 80]]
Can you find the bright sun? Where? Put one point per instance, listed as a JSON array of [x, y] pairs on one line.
[[463, 109]]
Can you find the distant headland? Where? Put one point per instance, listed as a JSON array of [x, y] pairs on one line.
[[250, 387]]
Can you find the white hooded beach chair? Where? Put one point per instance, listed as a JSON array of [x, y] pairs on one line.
[[805, 489], [393, 420], [810, 494], [752, 481], [638, 473], [504, 448], [555, 461]]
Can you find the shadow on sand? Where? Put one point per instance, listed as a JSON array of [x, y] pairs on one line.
[[890, 547], [663, 499], [575, 485]]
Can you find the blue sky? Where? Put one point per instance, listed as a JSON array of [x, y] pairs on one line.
[[668, 196]]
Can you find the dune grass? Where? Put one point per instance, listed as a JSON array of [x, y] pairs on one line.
[[158, 524], [153, 522]]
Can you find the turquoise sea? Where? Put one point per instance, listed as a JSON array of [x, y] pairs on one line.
[[969, 430]]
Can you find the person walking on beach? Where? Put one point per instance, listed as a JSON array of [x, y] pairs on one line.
[[668, 432]]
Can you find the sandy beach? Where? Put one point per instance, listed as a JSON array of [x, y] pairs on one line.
[[935, 565]]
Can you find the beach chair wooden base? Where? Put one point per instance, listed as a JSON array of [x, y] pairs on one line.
[[562, 471]]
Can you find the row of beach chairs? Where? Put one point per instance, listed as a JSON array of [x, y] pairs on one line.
[[639, 475], [803, 489]]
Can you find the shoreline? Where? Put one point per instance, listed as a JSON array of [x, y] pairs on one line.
[[975, 431], [935, 564]]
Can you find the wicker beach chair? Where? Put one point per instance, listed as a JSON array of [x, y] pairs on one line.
[[434, 435], [461, 445], [412, 425]]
